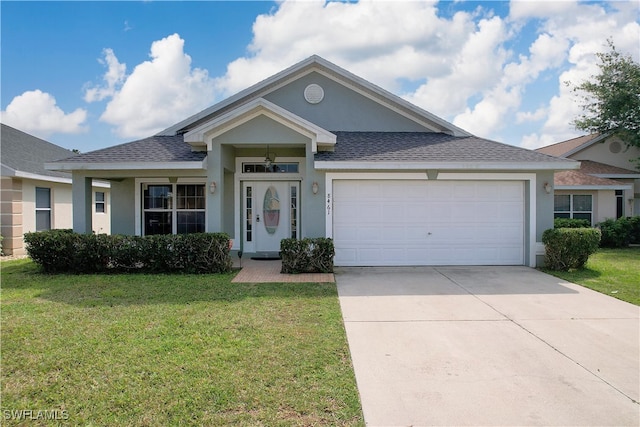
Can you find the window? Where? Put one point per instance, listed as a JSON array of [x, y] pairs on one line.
[[577, 206], [294, 212], [249, 208], [100, 202], [619, 204], [174, 208], [274, 168], [43, 209]]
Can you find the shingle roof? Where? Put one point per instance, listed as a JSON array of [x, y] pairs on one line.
[[560, 149], [425, 146], [597, 168], [26, 153], [575, 178], [155, 149]]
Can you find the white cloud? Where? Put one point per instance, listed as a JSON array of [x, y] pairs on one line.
[[383, 42], [584, 27], [528, 116], [158, 92], [113, 78], [37, 113]]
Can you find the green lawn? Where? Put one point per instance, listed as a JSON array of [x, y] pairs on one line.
[[173, 350], [615, 272]]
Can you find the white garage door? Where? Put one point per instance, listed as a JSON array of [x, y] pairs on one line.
[[385, 223]]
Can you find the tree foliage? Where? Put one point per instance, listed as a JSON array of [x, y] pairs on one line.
[[611, 99]]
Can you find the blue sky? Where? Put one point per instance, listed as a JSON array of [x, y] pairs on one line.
[[87, 75]]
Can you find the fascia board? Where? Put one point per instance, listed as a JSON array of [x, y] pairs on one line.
[[338, 165], [593, 187], [28, 175], [254, 109], [350, 80], [238, 96], [73, 166], [616, 176], [586, 145]]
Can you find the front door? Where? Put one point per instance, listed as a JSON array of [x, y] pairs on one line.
[[270, 214]]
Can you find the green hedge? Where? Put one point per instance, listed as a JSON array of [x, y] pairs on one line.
[[569, 248], [307, 255], [62, 251], [618, 233], [571, 223]]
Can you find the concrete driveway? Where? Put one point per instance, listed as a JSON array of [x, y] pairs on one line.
[[489, 346]]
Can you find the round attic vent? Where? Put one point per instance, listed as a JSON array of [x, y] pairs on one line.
[[313, 93], [615, 147]]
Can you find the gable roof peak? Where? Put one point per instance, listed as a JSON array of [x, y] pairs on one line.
[[332, 71]]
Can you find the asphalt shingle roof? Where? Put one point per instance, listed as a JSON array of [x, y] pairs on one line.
[[26, 153], [154, 149], [425, 146], [576, 178], [560, 149]]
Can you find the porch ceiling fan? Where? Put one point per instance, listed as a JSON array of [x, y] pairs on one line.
[[268, 161]]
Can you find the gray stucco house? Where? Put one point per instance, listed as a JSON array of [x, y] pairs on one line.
[[315, 151]]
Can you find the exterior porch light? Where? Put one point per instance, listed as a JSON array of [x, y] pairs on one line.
[[547, 187], [212, 187], [314, 187]]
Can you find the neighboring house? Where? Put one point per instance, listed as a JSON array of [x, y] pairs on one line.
[[315, 151], [34, 198], [605, 186]]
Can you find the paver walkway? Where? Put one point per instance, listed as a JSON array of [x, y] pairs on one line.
[[268, 271]]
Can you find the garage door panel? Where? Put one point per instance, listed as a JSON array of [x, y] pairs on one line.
[[428, 222]]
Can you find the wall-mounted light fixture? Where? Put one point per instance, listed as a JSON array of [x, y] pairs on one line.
[[212, 187], [315, 187], [547, 187]]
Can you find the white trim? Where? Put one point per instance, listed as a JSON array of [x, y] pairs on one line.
[[138, 197], [38, 177], [389, 165], [256, 108], [616, 176], [530, 177], [341, 76], [239, 177], [594, 187], [74, 166]]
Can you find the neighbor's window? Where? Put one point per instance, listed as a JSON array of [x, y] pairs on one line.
[[100, 202], [577, 206], [173, 208], [43, 209]]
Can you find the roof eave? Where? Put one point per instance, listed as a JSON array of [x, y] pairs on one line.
[[89, 166], [593, 187], [399, 165]]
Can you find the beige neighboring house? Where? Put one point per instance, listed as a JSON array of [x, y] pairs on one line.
[[35, 199], [607, 185]]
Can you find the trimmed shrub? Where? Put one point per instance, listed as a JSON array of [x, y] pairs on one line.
[[571, 223], [307, 255], [635, 230], [569, 248], [62, 251], [616, 233]]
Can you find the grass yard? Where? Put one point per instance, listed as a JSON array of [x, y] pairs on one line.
[[173, 350], [615, 272]]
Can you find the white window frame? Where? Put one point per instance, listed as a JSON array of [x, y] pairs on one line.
[[571, 210], [43, 209], [102, 202], [139, 196]]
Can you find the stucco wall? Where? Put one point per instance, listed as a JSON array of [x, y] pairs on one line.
[[340, 109], [611, 152], [123, 204]]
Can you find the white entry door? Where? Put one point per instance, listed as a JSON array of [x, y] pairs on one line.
[[270, 214]]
